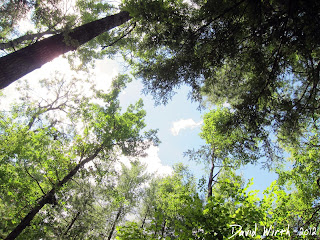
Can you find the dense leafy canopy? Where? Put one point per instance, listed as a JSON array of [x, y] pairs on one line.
[[40, 155], [255, 64], [262, 57]]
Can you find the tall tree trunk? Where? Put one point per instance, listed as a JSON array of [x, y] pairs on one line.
[[72, 222], [115, 223], [211, 178], [17, 64], [48, 198], [145, 218], [163, 228]]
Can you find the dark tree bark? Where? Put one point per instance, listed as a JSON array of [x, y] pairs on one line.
[[115, 223], [210, 182], [49, 198], [72, 222], [211, 176], [17, 64], [145, 218]]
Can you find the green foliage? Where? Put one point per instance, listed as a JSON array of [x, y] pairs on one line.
[[46, 18], [302, 178], [172, 208], [130, 230], [93, 10], [38, 152], [227, 139], [260, 57], [11, 12], [41, 17], [53, 15], [88, 207]]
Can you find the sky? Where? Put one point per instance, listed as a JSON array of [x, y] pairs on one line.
[[179, 123]]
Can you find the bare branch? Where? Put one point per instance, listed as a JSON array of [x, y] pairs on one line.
[[25, 167], [28, 37], [72, 222], [123, 36]]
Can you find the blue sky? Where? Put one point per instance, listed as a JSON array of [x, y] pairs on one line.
[[180, 111]]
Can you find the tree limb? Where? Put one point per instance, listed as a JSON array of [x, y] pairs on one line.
[[120, 38], [72, 222], [28, 37], [25, 167]]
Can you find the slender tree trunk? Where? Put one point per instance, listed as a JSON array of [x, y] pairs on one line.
[[210, 179], [163, 228], [17, 64], [115, 223], [72, 222], [48, 198], [145, 218]]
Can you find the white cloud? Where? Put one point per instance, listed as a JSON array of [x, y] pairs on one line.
[[183, 124], [153, 162]]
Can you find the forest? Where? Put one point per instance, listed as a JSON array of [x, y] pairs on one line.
[[73, 155]]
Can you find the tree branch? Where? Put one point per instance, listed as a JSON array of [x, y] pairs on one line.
[[221, 15], [72, 222], [120, 38], [28, 37], [25, 167]]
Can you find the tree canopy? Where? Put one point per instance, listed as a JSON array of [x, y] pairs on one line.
[[261, 57], [253, 65]]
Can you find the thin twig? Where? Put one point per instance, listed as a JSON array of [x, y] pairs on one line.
[[25, 167], [120, 38]]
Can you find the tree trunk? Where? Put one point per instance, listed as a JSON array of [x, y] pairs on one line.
[[145, 218], [72, 222], [48, 198], [115, 223], [25, 60], [163, 228], [210, 178]]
